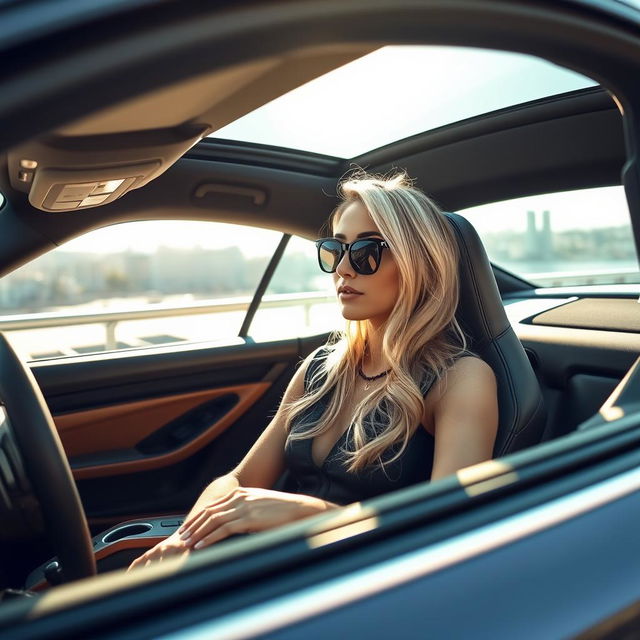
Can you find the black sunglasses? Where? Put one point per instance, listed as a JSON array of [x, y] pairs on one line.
[[364, 255]]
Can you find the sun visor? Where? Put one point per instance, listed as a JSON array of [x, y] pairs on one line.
[[75, 173]]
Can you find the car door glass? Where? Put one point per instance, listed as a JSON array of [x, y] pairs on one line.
[[300, 299], [136, 284], [580, 237]]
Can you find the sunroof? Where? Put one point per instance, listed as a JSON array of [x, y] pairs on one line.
[[396, 92]]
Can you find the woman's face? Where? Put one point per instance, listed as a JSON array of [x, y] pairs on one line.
[[368, 297]]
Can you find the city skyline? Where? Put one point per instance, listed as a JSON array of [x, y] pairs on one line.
[[68, 278]]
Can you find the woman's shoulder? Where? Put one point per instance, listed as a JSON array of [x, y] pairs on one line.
[[468, 370], [305, 375], [317, 356], [466, 391], [464, 364], [469, 363], [311, 365], [466, 380]]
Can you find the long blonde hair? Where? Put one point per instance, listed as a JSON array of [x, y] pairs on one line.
[[421, 337]]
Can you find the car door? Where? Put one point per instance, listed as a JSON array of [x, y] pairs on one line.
[[578, 584], [150, 406]]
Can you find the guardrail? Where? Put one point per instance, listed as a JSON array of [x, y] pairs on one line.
[[110, 319], [153, 311]]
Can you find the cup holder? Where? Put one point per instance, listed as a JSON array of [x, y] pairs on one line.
[[126, 531]]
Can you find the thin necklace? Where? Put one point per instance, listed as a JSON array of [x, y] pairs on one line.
[[370, 379]]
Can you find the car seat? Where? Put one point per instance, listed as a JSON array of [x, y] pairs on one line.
[[482, 317]]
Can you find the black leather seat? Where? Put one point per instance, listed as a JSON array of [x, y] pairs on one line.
[[481, 315]]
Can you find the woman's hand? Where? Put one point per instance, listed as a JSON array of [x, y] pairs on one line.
[[246, 510], [171, 546]]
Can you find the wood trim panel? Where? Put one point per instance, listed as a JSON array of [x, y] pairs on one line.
[[143, 543], [120, 427]]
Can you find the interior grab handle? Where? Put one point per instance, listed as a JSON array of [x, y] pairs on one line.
[[258, 196]]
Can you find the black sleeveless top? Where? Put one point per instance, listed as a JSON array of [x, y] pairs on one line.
[[332, 481]]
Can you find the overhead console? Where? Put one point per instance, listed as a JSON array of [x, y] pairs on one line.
[[62, 173], [94, 161]]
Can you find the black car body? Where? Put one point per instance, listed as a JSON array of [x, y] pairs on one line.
[[540, 543]]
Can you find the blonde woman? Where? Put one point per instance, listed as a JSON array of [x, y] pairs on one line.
[[394, 401]]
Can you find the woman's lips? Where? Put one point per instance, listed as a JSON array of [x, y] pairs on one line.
[[348, 293], [344, 296]]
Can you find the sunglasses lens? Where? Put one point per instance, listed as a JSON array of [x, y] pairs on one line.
[[329, 254], [365, 256]]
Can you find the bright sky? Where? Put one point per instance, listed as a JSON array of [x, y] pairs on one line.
[[149, 236], [396, 92], [587, 209]]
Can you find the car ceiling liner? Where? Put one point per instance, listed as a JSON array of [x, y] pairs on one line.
[[98, 159], [254, 54]]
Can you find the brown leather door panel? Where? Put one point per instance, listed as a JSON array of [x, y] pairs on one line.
[[125, 419], [116, 431]]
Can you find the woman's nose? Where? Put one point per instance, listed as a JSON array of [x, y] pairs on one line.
[[344, 267]]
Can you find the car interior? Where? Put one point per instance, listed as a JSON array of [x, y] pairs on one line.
[[145, 429]]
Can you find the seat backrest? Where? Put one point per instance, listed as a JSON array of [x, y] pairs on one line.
[[482, 317]]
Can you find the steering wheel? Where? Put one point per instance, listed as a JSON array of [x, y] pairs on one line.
[[31, 428]]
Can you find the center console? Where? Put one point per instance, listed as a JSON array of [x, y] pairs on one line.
[[114, 548]]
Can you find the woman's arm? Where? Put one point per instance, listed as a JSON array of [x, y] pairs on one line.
[[174, 545], [242, 501], [248, 510], [464, 407]]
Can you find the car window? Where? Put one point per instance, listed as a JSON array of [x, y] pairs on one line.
[[561, 239], [300, 299], [425, 87], [133, 285]]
